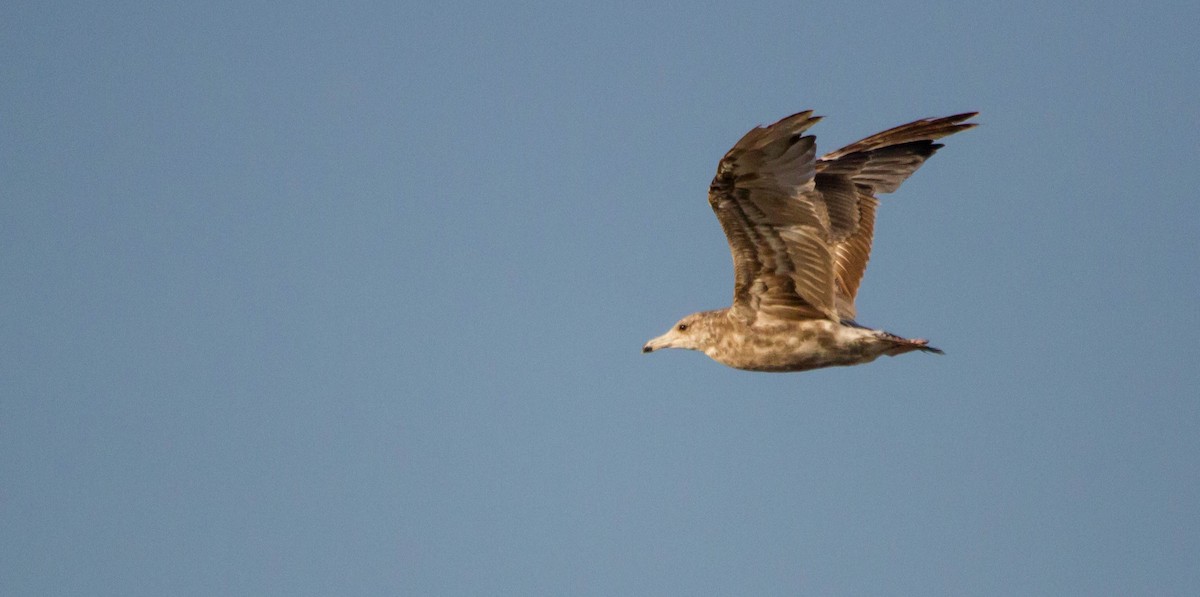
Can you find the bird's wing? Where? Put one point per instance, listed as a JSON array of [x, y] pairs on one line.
[[777, 223], [926, 129], [857, 173]]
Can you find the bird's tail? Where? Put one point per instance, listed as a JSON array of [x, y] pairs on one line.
[[903, 345]]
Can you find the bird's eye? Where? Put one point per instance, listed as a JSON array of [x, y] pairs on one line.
[[682, 327]]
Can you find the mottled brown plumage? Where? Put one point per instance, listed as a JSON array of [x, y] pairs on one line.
[[800, 229]]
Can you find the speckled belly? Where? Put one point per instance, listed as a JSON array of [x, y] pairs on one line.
[[797, 346]]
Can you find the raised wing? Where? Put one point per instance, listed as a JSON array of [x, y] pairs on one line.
[[926, 129], [764, 195], [859, 171], [799, 228]]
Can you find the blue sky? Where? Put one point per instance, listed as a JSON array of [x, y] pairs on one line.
[[310, 300]]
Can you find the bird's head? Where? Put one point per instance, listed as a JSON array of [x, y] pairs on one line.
[[693, 332]]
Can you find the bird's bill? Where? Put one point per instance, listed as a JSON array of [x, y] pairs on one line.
[[663, 341]]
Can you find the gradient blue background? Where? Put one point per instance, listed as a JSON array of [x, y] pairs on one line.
[[348, 300]]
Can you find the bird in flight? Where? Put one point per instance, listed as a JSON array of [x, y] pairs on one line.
[[800, 229]]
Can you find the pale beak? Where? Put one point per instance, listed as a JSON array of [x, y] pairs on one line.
[[657, 343]]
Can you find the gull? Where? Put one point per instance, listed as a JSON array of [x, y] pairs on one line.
[[799, 228]]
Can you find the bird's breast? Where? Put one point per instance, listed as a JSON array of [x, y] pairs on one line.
[[794, 346]]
